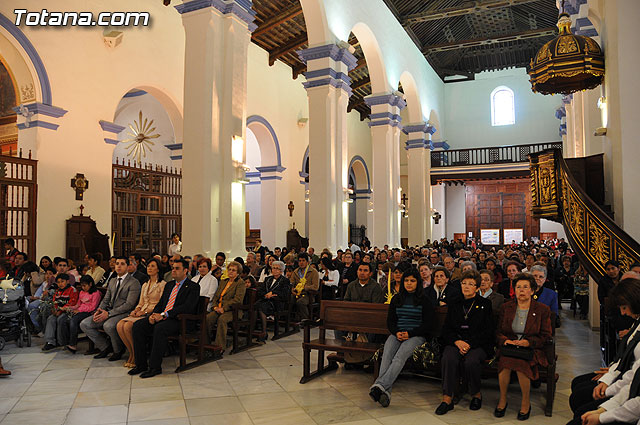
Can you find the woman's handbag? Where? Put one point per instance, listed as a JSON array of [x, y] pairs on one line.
[[517, 352]]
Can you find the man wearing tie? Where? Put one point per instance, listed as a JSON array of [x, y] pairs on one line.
[[122, 296], [181, 295]]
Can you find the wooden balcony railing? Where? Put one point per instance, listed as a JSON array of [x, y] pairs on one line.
[[490, 155]]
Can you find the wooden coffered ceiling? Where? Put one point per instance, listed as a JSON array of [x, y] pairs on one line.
[[459, 38]]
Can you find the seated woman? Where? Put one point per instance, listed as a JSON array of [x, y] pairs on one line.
[[581, 291], [608, 389], [231, 290], [266, 270], [88, 301], [208, 283], [486, 291], [409, 320], [441, 293], [272, 295], [425, 274], [150, 295], [330, 278], [507, 286], [469, 338], [523, 323], [492, 266], [95, 271], [544, 295]]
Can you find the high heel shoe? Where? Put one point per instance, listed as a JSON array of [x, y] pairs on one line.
[[524, 416], [499, 413]]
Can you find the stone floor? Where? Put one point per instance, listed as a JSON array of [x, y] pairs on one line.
[[259, 386]]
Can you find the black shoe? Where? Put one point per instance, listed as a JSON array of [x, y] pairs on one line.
[[444, 408], [535, 383], [136, 370], [71, 350], [116, 356], [476, 403], [48, 347], [151, 373], [524, 416], [499, 413], [103, 354], [91, 352], [375, 393], [384, 399]]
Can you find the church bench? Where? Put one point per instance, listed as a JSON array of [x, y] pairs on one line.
[[244, 319], [364, 318]]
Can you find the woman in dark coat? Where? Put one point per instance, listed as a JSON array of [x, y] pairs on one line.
[[469, 338], [272, 295], [523, 322]]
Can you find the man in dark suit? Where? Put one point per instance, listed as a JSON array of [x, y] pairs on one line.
[[137, 270], [121, 298], [180, 296]]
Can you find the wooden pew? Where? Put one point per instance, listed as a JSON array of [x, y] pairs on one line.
[[344, 316], [244, 319]]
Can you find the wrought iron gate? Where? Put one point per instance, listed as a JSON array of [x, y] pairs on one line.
[[146, 207]]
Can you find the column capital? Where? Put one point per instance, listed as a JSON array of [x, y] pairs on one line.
[[336, 52], [331, 65], [33, 115], [419, 135], [385, 109], [111, 131], [239, 8]]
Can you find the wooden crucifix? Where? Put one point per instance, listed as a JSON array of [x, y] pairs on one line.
[[291, 207], [80, 184], [404, 198]]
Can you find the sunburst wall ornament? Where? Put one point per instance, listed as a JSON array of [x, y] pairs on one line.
[[140, 142]]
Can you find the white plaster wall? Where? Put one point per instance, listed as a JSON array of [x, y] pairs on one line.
[[468, 112], [438, 203], [552, 226], [88, 80], [253, 193], [455, 210]]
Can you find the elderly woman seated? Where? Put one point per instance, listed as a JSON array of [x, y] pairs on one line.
[[272, 295], [469, 338], [544, 295], [523, 328], [486, 291]]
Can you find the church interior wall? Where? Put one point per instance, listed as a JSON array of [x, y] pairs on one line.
[[552, 226], [468, 112], [455, 198]]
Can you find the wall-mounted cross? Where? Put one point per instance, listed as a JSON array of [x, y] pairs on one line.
[[80, 184]]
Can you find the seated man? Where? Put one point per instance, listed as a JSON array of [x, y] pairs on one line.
[[362, 290], [180, 296], [121, 298], [304, 281]]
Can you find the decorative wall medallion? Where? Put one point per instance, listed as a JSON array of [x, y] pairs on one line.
[[80, 184], [567, 44], [544, 54], [27, 93], [599, 243], [140, 141]]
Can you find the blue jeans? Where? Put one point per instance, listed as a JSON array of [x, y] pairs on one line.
[[34, 312], [394, 357]]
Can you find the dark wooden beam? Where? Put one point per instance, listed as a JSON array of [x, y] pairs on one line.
[[355, 104], [467, 9], [360, 83], [361, 64], [277, 20], [299, 69], [289, 46], [412, 35], [543, 32]]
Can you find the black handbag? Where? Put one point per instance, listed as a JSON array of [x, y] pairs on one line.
[[517, 352]]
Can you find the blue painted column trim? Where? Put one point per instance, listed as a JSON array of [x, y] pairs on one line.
[[110, 127], [261, 120], [328, 76], [240, 8], [174, 146], [38, 123]]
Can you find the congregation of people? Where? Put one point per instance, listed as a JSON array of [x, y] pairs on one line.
[[501, 305]]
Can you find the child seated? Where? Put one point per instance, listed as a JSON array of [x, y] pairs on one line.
[[65, 296], [88, 301]]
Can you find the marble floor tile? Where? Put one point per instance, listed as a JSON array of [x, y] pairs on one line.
[[289, 379], [45, 402], [209, 389], [10, 388], [418, 418], [338, 413], [53, 387], [97, 415], [321, 396], [255, 402], [256, 386], [289, 416], [102, 398], [157, 410], [224, 419], [280, 359], [213, 406], [246, 374], [71, 362], [49, 417], [7, 403], [107, 372], [172, 421], [106, 384], [234, 363], [166, 379], [144, 395]]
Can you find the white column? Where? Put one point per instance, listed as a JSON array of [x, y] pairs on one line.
[[34, 121], [215, 98], [328, 89], [418, 148], [273, 217], [385, 135]]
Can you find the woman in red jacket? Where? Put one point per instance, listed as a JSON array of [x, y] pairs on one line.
[[526, 324]]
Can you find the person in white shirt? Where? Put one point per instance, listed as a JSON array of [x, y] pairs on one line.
[[330, 278], [208, 283], [176, 246]]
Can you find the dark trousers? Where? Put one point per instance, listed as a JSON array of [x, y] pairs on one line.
[[471, 365], [159, 333], [581, 399], [70, 327]]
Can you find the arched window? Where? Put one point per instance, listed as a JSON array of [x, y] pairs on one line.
[[502, 106]]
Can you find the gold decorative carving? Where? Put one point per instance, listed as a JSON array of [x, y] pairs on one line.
[[27, 93], [591, 46], [141, 136], [544, 54], [625, 259], [566, 44], [599, 243]]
